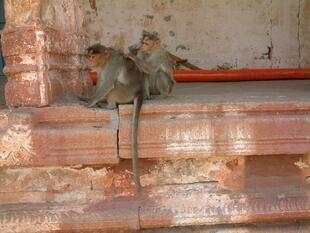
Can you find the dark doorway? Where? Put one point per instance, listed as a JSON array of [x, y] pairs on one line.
[[3, 79]]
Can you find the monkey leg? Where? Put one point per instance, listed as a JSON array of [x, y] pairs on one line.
[[120, 95], [164, 85], [93, 101], [147, 91]]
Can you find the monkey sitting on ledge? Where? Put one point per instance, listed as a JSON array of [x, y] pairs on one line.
[[155, 61], [120, 81]]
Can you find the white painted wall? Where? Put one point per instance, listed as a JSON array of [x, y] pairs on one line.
[[211, 33]]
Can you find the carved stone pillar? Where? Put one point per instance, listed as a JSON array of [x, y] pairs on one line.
[[43, 41]]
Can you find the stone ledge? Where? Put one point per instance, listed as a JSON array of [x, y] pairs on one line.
[[166, 206], [48, 217], [218, 190], [183, 127], [55, 136], [82, 184], [285, 227]]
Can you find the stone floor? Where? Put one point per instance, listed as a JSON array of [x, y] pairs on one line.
[[247, 91], [229, 92], [259, 178]]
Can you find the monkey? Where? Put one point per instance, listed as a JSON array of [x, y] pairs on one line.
[[155, 62], [119, 82]]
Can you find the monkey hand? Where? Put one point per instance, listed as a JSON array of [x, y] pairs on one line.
[[84, 99], [134, 49], [131, 56]]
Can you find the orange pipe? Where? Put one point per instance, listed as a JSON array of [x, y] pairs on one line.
[[239, 75], [234, 75]]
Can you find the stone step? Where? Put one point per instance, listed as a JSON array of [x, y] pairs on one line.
[[182, 127], [164, 206], [62, 135], [192, 123], [284, 227], [184, 192]]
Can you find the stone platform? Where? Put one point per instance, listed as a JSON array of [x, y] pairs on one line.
[[212, 153]]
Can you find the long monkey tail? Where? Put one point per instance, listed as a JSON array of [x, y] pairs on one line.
[[137, 104]]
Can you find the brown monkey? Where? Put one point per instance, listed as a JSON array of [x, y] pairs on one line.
[[119, 82], [152, 59]]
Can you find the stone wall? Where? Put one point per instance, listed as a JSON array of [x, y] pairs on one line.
[[213, 34]]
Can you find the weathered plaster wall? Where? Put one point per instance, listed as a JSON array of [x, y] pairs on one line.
[[211, 33]]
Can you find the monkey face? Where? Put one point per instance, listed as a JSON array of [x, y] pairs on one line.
[[92, 59], [97, 60], [148, 45]]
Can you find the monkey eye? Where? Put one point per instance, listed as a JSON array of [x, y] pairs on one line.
[[90, 56]]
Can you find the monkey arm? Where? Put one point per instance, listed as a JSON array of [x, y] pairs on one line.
[[183, 62], [167, 68], [143, 65], [133, 49], [105, 84], [102, 90]]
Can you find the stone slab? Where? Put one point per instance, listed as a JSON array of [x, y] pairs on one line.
[[48, 217], [165, 206], [203, 204], [82, 184], [219, 190], [286, 227], [60, 135], [202, 119], [201, 130]]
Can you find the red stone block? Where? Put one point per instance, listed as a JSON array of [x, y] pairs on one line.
[[96, 183], [24, 92], [45, 61], [63, 135], [25, 41], [183, 127], [203, 204], [165, 206], [175, 193], [40, 69], [47, 217]]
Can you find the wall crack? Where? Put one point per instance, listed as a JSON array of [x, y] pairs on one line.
[[270, 47], [298, 33]]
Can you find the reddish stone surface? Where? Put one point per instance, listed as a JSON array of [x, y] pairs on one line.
[[104, 197], [290, 227], [219, 157], [64, 135], [203, 205], [195, 204], [45, 61], [48, 217], [187, 130]]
